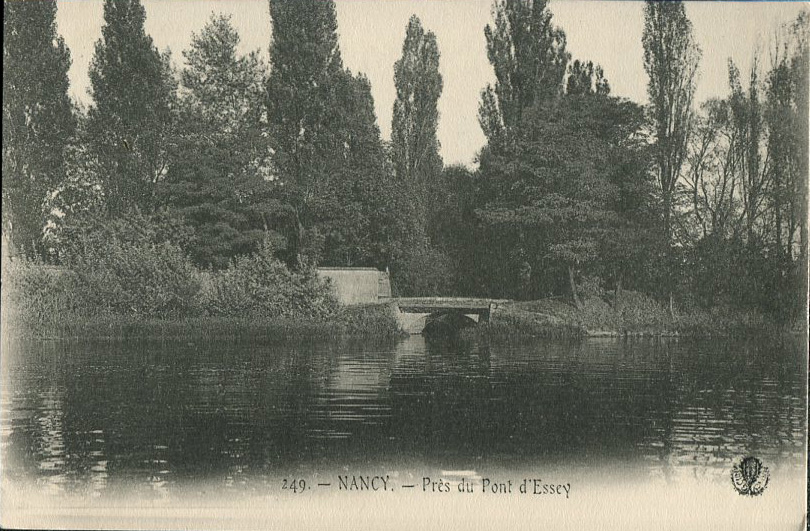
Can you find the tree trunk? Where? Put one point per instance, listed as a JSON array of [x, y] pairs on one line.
[[668, 235], [297, 241], [577, 302], [617, 297], [804, 263], [667, 218]]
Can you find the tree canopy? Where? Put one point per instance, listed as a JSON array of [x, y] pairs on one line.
[[576, 191], [219, 180], [529, 56], [130, 121], [38, 119], [416, 116]]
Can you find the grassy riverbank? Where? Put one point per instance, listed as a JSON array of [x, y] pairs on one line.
[[368, 322], [636, 315], [145, 292], [118, 290]]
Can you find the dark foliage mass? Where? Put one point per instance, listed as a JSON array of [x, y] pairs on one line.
[[216, 184], [129, 125], [38, 119], [217, 188]]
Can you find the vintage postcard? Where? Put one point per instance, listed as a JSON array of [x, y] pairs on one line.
[[404, 264]]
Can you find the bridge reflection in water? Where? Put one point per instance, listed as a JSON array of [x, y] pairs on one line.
[[413, 313]]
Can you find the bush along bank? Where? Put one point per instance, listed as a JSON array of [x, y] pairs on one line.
[[130, 288], [636, 315], [135, 290]]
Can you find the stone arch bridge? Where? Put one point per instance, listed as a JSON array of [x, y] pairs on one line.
[[367, 285], [413, 313]]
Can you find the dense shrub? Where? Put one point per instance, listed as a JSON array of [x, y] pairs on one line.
[[725, 321], [640, 312], [591, 287], [137, 278], [91, 231], [636, 314], [751, 276], [595, 313], [515, 321], [424, 272], [33, 293], [260, 285]]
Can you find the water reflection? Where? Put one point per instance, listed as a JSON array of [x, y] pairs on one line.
[[102, 417]]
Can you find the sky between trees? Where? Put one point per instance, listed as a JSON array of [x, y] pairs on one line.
[[372, 31]]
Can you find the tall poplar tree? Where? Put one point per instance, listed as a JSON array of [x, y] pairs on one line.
[[671, 58], [367, 214], [528, 54], [800, 67], [786, 118], [415, 118], [529, 58], [130, 121], [329, 161], [305, 65], [38, 119]]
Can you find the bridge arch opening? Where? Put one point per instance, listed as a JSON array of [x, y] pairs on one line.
[[446, 323]]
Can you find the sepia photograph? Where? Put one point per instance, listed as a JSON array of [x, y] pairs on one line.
[[404, 264]]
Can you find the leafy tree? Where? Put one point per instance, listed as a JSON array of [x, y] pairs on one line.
[[305, 65], [786, 117], [747, 111], [38, 119], [712, 176], [585, 78], [219, 183], [566, 183], [364, 222], [781, 144], [671, 59], [800, 69], [455, 229], [333, 175], [529, 57], [130, 121], [415, 118], [746, 180]]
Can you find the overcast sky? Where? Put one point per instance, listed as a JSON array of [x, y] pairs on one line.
[[372, 31]]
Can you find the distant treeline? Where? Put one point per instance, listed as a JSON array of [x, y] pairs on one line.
[[577, 193]]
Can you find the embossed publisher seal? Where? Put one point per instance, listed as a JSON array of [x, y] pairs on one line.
[[749, 476]]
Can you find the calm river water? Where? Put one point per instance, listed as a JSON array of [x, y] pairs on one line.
[[157, 419]]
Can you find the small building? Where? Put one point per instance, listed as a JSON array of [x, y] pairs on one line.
[[358, 285]]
